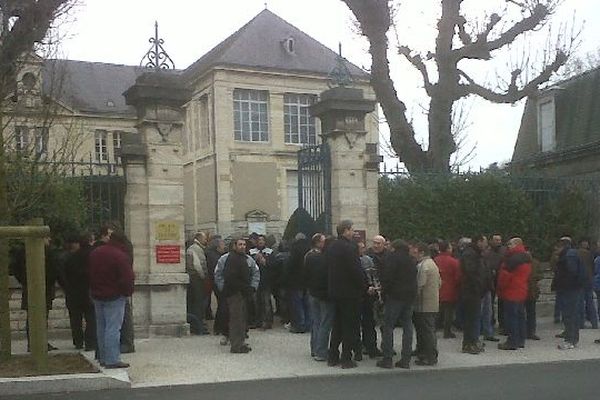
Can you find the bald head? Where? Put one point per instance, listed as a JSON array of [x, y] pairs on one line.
[[201, 238], [378, 244], [514, 242]]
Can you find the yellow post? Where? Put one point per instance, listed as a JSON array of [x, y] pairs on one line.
[[36, 300]]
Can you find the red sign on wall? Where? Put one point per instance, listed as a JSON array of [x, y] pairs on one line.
[[168, 254]]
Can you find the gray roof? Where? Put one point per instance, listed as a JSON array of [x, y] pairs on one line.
[[259, 44], [90, 86]]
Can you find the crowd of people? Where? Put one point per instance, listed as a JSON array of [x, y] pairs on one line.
[[339, 290]]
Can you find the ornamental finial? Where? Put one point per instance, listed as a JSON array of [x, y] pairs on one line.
[[157, 57]]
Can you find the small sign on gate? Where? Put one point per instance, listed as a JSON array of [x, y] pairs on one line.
[[168, 254]]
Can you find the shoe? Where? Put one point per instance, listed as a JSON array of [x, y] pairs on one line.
[[224, 341], [566, 346], [561, 335], [375, 353], [348, 364], [533, 337], [320, 359], [288, 326], [404, 364], [117, 365], [597, 341], [245, 346], [358, 356], [332, 362], [506, 346], [425, 363], [385, 363], [51, 348], [521, 346], [267, 326], [471, 349], [491, 339], [449, 335], [241, 350], [480, 346]]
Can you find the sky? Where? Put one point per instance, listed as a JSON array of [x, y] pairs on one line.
[[117, 31]]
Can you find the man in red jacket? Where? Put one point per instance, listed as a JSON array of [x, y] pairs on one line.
[[111, 282], [450, 273], [513, 281]]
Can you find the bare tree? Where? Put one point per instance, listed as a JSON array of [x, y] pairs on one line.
[[458, 39], [24, 24]]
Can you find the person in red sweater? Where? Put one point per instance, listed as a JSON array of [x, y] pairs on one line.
[[450, 273], [111, 282], [513, 283]]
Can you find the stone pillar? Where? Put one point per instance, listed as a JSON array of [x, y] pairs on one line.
[[153, 166], [354, 162]]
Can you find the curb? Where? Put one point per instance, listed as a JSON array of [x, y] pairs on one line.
[[113, 379]]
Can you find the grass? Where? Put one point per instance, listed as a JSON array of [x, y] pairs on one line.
[[66, 363]]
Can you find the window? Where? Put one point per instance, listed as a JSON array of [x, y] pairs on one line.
[[41, 141], [100, 145], [546, 125], [250, 115], [21, 138], [292, 191], [116, 141], [298, 123], [204, 126]]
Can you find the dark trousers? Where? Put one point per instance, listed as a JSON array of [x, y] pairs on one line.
[[530, 316], [301, 321], [426, 337], [514, 323], [238, 318], [570, 311], [587, 309], [77, 314], [346, 329], [367, 325], [251, 310], [196, 304], [472, 320], [500, 314], [394, 311], [264, 306], [127, 330], [447, 316], [221, 325]]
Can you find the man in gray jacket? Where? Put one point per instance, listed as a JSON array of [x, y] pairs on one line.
[[197, 269]]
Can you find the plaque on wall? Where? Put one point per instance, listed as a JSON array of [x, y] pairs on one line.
[[168, 254], [167, 230], [257, 227]]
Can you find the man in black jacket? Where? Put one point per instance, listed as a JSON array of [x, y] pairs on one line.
[[399, 283], [472, 290], [347, 286]]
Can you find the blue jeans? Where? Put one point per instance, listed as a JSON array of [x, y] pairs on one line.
[[394, 311], [322, 313], [300, 311], [487, 329], [570, 310], [514, 323], [587, 309], [109, 318]]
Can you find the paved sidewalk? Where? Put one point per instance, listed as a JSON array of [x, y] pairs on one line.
[[280, 354]]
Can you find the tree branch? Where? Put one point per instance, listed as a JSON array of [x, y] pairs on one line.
[[418, 63]]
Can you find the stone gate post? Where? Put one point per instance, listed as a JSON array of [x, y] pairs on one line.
[[354, 162], [153, 168]]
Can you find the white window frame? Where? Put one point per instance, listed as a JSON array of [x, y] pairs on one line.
[[21, 138], [117, 142], [41, 140], [101, 145], [299, 126], [251, 115], [546, 128]]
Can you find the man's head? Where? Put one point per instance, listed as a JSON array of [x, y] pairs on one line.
[[514, 242], [378, 244], [318, 241], [565, 242], [445, 246], [480, 241], [584, 243], [105, 233], [362, 249], [344, 229], [261, 242], [239, 245], [419, 251], [496, 241], [201, 238]]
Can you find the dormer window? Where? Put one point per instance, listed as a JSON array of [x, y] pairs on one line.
[[28, 81], [289, 45], [546, 124]]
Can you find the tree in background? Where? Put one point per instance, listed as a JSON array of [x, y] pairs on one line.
[[460, 38]]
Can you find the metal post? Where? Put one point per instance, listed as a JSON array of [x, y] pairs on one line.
[[36, 299]]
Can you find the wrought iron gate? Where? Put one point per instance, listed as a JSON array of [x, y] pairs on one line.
[[314, 184]]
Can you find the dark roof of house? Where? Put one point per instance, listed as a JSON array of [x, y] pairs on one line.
[[577, 116], [260, 44]]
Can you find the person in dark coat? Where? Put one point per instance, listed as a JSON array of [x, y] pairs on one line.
[[399, 284], [473, 287], [298, 296], [346, 288], [79, 302], [214, 251], [20, 272]]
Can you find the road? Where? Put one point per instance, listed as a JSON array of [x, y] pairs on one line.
[[557, 381]]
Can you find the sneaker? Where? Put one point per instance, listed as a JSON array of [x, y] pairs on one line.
[[385, 363], [224, 341], [533, 337], [506, 346], [566, 346], [320, 359], [597, 341], [471, 349], [491, 339], [348, 364], [404, 364], [288, 326], [241, 350]]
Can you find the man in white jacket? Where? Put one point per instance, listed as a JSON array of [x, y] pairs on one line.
[[197, 269]]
